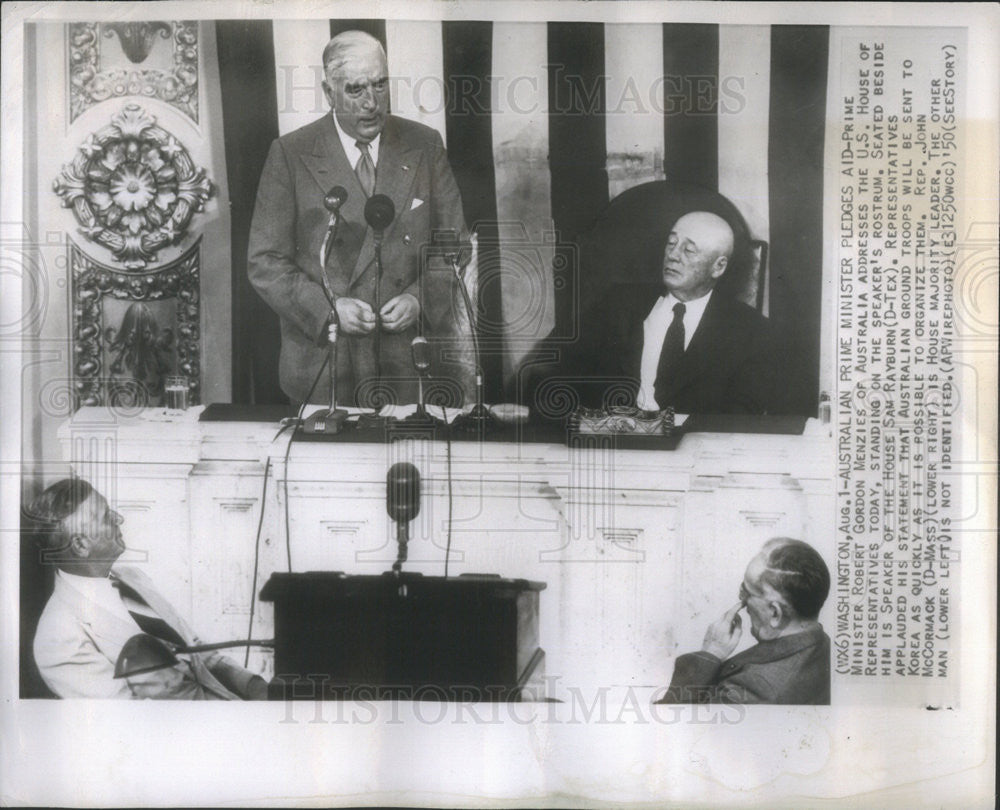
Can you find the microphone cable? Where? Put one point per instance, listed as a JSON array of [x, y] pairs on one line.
[[256, 557], [447, 441], [288, 450]]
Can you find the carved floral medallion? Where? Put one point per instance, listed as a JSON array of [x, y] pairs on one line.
[[133, 188], [94, 77]]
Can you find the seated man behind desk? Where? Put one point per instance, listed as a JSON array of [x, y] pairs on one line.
[[783, 589], [95, 608], [682, 343]]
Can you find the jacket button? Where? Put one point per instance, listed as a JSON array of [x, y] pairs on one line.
[[406, 239]]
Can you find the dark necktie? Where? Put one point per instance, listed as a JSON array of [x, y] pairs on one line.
[[670, 356], [365, 170], [153, 625]]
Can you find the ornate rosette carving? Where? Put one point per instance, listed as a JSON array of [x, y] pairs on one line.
[[93, 282], [133, 187], [91, 82]]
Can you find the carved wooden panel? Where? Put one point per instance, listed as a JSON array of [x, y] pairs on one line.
[[155, 59], [130, 330]]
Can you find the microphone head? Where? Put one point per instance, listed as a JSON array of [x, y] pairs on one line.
[[379, 212], [335, 198], [420, 350], [402, 492]]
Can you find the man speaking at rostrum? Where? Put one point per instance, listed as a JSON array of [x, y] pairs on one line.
[[365, 151]]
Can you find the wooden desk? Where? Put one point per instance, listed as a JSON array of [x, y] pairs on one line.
[[640, 549]]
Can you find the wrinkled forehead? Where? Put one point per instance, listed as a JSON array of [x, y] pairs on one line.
[[360, 64]]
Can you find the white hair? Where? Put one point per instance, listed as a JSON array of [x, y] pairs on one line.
[[339, 49]]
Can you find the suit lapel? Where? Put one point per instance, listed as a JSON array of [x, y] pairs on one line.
[[644, 301], [141, 584], [328, 164], [138, 582], [110, 631], [394, 176]]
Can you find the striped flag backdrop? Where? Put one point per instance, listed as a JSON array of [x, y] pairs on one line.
[[544, 124]]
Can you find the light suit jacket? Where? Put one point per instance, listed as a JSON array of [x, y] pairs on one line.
[[78, 641], [290, 225]]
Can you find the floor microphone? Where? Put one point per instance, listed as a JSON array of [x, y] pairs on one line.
[[421, 352], [402, 502]]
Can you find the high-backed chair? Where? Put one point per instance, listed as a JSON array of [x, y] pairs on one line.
[[625, 245]]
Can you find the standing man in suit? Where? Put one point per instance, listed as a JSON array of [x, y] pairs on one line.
[[682, 343], [96, 606], [363, 149], [783, 589]]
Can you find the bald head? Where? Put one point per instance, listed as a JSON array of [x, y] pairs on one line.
[[697, 253], [357, 83]]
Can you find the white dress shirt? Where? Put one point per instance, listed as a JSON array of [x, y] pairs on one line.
[[350, 145], [654, 330], [100, 591]]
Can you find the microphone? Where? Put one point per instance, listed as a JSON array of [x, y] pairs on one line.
[[332, 202], [335, 198], [479, 419], [421, 352], [379, 213], [402, 502]]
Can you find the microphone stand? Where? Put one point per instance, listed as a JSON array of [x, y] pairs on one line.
[[330, 421], [420, 418], [478, 420]]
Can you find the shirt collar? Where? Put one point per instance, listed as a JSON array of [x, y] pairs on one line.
[[97, 589], [350, 145], [692, 309]]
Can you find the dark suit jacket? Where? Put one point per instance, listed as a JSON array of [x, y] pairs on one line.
[[788, 670], [728, 366], [290, 224]]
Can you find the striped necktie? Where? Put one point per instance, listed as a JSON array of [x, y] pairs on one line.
[[365, 170], [144, 615]]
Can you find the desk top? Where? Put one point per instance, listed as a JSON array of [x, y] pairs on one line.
[[532, 432]]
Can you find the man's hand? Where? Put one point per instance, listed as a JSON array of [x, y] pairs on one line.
[[356, 317], [400, 313], [257, 688], [724, 634], [162, 684]]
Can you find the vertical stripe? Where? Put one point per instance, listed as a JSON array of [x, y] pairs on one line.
[[691, 103], [633, 63], [468, 57], [370, 26], [524, 201], [416, 72], [298, 72], [795, 168], [744, 97], [250, 120], [577, 150]]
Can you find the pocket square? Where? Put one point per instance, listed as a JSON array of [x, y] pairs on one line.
[[417, 202]]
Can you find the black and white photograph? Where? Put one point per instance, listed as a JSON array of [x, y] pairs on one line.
[[499, 404]]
